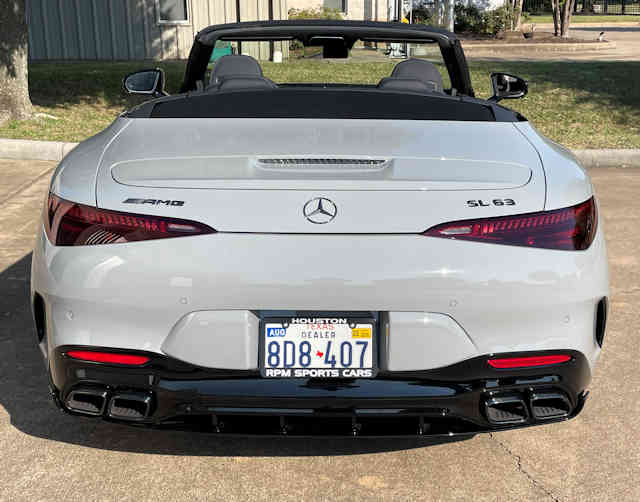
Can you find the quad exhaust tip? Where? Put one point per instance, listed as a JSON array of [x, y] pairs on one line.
[[130, 406], [548, 405], [87, 401], [506, 409], [511, 409]]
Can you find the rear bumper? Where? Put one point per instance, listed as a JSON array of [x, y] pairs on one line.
[[199, 299], [446, 401]]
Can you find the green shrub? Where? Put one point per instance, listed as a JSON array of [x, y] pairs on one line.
[[498, 20], [422, 15], [315, 13], [470, 19]]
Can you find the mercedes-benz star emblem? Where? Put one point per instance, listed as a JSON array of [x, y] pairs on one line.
[[320, 210]]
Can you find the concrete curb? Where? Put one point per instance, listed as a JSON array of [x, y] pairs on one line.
[[604, 25], [609, 158], [542, 47], [23, 149]]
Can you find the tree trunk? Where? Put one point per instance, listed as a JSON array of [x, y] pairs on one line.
[[555, 9], [517, 14], [14, 96], [437, 13], [567, 12]]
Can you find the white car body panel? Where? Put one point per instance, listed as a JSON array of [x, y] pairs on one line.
[[75, 176], [452, 299], [504, 298], [207, 331], [415, 340], [567, 182], [430, 176]]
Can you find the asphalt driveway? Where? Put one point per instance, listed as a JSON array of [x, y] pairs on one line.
[[46, 455]]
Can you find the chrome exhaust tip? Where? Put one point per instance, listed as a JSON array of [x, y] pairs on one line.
[[130, 406], [506, 409], [549, 404], [87, 401]]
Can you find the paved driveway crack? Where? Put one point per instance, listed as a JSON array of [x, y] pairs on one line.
[[521, 469]]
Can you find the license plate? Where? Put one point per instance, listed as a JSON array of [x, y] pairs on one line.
[[313, 347]]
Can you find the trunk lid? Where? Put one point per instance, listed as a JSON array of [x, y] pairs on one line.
[[256, 175], [321, 173]]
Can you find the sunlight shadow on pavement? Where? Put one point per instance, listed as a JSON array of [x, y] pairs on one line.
[[24, 395]]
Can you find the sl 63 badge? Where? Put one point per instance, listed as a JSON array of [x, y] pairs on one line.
[[494, 202]]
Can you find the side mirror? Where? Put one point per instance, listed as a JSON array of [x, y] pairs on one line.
[[507, 86], [146, 82]]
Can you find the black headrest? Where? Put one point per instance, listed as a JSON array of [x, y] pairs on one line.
[[407, 84], [234, 82], [418, 69], [234, 65]]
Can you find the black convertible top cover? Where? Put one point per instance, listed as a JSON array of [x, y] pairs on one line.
[[320, 104]]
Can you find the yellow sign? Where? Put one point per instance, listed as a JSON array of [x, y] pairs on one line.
[[361, 333]]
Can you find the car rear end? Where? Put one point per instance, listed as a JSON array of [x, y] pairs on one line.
[[439, 292]]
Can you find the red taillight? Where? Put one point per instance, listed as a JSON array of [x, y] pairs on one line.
[[527, 362], [108, 357], [572, 228], [71, 224]]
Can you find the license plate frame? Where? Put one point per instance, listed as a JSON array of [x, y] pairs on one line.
[[351, 320]]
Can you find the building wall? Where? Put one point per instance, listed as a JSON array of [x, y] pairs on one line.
[[129, 29], [356, 9]]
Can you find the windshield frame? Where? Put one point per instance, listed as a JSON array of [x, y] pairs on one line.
[[350, 31]]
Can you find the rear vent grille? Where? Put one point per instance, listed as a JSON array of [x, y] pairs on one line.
[[322, 163], [601, 320]]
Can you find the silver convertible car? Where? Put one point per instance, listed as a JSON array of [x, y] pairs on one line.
[[391, 258]]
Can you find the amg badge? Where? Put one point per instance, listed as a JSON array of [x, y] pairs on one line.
[[154, 202]]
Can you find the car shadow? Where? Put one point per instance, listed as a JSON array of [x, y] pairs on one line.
[[24, 396]]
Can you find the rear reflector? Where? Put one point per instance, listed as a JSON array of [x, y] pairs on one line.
[[527, 362], [71, 224], [108, 357], [572, 228]]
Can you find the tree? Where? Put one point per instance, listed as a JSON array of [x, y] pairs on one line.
[[14, 84], [516, 14], [562, 11], [315, 13]]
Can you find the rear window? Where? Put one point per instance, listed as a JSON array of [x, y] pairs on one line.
[[320, 103]]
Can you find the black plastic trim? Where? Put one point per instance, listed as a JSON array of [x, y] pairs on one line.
[[449, 399], [40, 317], [602, 311]]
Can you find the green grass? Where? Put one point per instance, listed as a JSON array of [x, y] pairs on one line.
[[581, 105], [578, 18]]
